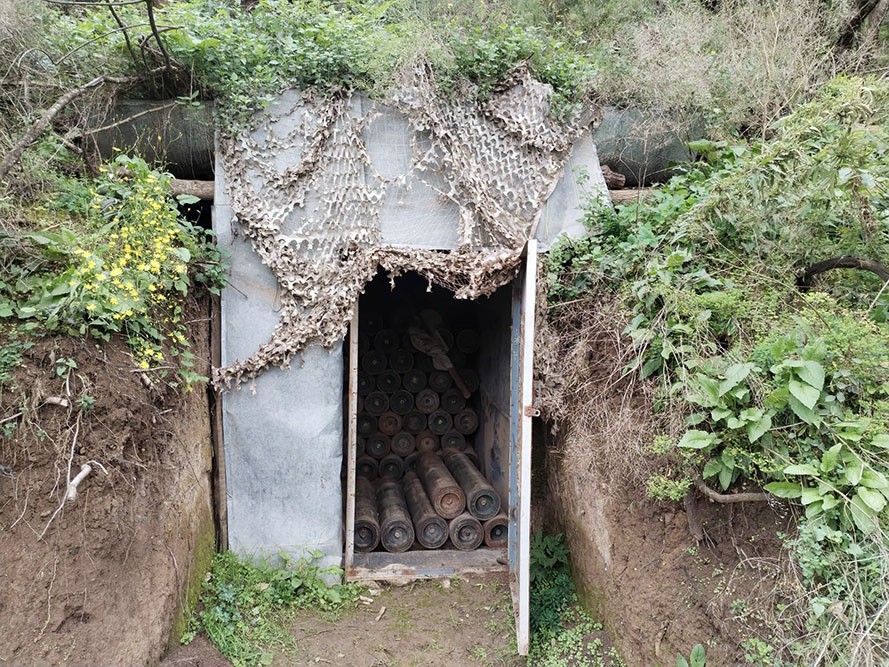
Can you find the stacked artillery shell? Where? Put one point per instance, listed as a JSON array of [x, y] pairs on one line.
[[452, 401], [482, 500], [466, 532], [403, 443], [396, 527], [402, 402], [389, 423], [391, 467], [453, 440], [442, 489], [388, 381], [440, 422], [367, 425], [378, 445], [417, 470], [431, 529], [367, 520], [373, 362], [414, 380], [466, 421], [440, 381], [376, 403], [414, 422], [367, 466], [401, 361], [427, 401], [426, 441], [496, 531]]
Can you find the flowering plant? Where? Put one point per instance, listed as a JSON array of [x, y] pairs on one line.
[[124, 273]]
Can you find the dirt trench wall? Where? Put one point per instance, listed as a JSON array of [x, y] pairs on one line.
[[657, 591], [108, 582]]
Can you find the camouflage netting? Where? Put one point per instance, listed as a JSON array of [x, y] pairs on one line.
[[311, 201]]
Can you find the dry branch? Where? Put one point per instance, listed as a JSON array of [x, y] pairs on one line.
[[716, 497], [38, 128]]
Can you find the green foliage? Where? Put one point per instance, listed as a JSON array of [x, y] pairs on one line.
[[778, 388], [241, 58], [14, 344], [697, 658], [552, 588], [245, 605], [485, 55], [120, 272], [562, 633]]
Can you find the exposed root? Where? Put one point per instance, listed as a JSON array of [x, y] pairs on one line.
[[716, 497]]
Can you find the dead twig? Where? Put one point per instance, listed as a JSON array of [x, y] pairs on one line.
[[39, 127]]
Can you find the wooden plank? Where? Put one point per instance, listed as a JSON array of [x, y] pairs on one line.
[[421, 564], [351, 445], [220, 495], [524, 473]]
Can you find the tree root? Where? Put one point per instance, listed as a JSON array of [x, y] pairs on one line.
[[716, 497]]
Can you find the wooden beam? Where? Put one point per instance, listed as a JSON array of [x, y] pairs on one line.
[[203, 190]]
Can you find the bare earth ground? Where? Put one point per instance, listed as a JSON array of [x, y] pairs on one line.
[[658, 589], [431, 623], [98, 580]]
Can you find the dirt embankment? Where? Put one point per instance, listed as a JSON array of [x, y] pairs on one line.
[[657, 589], [102, 579]]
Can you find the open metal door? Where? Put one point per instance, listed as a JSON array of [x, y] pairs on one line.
[[352, 439], [522, 410]]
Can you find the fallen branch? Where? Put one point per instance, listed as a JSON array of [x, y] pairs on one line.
[[39, 127], [845, 262], [716, 497]]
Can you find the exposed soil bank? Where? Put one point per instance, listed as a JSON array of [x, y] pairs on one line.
[[657, 591], [107, 582]]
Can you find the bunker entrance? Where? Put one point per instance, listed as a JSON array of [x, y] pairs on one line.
[[431, 451], [437, 452]]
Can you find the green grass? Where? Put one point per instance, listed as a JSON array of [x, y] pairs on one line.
[[246, 606]]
